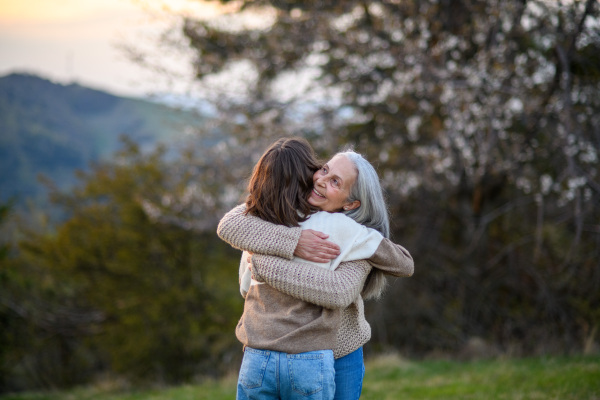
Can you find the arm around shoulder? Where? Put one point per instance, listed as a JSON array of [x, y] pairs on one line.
[[250, 233], [392, 259]]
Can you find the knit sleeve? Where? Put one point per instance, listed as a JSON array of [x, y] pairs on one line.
[[311, 283], [250, 233], [392, 259]]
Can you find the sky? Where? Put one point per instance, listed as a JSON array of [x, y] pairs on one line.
[[79, 41]]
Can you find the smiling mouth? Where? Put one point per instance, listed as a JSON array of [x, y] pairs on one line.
[[318, 194]]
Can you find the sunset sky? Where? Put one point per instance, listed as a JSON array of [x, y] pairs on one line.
[[77, 40]]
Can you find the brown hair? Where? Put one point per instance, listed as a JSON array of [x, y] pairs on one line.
[[281, 182]]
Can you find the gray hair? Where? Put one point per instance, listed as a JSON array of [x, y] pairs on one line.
[[372, 213]]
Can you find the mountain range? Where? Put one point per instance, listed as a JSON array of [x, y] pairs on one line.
[[55, 129]]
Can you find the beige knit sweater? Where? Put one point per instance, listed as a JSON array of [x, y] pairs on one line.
[[331, 299]]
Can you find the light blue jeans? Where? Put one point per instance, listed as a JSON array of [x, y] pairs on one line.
[[267, 374], [349, 374]]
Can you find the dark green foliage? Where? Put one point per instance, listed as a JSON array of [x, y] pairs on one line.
[[117, 289]]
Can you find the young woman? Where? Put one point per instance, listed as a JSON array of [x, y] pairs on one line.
[[273, 320]]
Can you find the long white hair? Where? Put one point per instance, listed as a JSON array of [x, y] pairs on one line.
[[372, 213]]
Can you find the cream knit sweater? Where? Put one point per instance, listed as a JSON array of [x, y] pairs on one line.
[[336, 294]]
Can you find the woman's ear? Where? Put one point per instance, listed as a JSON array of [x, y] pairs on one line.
[[352, 205]]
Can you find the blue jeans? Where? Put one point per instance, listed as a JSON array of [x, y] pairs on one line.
[[349, 374], [267, 374]]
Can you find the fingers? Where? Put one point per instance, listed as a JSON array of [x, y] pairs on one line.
[[326, 248], [319, 243], [326, 252], [313, 246], [317, 255], [329, 248], [323, 251], [318, 234], [312, 256]]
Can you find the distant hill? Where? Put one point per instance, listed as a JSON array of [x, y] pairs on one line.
[[55, 129]]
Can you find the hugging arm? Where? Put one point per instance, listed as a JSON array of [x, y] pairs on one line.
[[274, 246], [392, 259], [311, 283], [331, 289], [250, 233]]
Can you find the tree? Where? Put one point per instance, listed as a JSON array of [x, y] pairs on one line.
[[125, 290], [482, 118]]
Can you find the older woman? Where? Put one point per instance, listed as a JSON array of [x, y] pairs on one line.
[[347, 184]]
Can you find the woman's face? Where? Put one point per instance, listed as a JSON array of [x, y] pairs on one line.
[[332, 185]]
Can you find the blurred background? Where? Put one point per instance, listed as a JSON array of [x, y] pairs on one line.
[[128, 128]]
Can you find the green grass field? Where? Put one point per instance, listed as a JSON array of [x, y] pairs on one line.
[[540, 378], [394, 378]]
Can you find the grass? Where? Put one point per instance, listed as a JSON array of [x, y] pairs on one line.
[[391, 377], [539, 378]]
